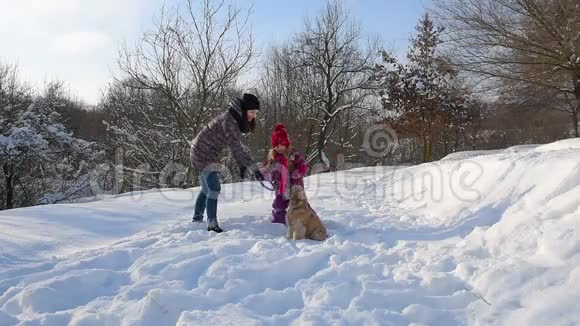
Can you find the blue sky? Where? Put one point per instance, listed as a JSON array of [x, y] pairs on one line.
[[393, 20], [77, 40]]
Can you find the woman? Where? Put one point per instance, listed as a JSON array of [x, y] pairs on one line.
[[206, 153]]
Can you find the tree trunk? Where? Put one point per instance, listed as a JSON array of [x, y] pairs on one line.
[[456, 141], [414, 154], [320, 147], [425, 149], [446, 141], [9, 185], [575, 114], [309, 140], [428, 144], [575, 121]]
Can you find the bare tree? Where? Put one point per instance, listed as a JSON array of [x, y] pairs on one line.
[[278, 86], [14, 94], [42, 162], [531, 43], [14, 98], [334, 73], [189, 61], [280, 91]]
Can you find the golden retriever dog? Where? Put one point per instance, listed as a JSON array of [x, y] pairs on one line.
[[302, 221]]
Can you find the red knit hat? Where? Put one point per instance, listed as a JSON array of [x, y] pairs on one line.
[[280, 136]]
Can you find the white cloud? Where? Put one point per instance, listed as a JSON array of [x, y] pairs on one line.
[[75, 41], [80, 42]]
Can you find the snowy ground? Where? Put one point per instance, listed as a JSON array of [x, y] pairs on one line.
[[489, 238]]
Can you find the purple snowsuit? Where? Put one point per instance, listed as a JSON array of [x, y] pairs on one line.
[[279, 174]]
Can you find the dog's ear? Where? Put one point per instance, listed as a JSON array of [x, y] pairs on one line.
[[296, 188], [294, 195]]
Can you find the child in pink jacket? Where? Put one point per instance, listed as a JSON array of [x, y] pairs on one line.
[[286, 168]]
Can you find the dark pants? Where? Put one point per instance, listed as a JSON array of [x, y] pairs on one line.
[[279, 208], [208, 197]]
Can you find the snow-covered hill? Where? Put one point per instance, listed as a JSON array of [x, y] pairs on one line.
[[476, 239]]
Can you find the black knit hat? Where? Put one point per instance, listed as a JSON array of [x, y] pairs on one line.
[[250, 102]]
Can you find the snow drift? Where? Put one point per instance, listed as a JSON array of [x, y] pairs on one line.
[[489, 238]]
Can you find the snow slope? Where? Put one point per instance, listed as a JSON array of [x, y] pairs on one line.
[[487, 239]]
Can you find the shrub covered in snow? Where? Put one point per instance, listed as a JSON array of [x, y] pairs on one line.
[[42, 162]]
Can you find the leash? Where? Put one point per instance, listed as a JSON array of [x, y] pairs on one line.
[[271, 188]]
